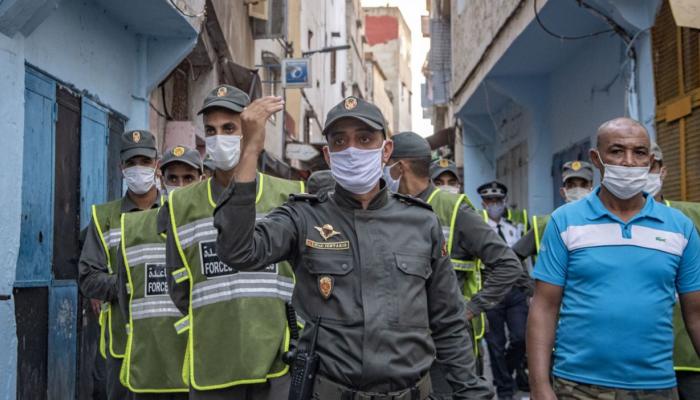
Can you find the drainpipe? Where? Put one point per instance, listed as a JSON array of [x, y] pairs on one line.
[[139, 116]]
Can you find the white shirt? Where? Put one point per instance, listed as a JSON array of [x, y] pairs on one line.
[[511, 233]]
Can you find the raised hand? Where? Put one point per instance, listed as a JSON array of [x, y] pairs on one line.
[[253, 120]]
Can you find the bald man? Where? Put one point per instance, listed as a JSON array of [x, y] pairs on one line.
[[606, 281]]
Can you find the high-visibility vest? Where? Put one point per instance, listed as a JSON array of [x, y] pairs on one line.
[[446, 205], [106, 220], [155, 353], [684, 356], [539, 223], [518, 218], [236, 321]]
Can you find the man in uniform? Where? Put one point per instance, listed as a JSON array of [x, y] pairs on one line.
[[444, 175], [236, 322], [611, 267], [577, 177], [512, 311], [685, 361], [470, 240], [154, 355], [373, 277], [98, 279]]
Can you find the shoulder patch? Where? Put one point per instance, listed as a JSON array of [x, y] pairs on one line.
[[412, 200], [309, 198]]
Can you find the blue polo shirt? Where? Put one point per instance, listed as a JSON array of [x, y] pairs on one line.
[[620, 282]]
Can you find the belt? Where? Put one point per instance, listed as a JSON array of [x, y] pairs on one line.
[[326, 389]]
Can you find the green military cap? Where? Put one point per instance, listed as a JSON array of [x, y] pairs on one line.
[[320, 181], [137, 143], [656, 152], [492, 189], [209, 163], [410, 145], [183, 155], [442, 165], [577, 169], [226, 96], [354, 107]]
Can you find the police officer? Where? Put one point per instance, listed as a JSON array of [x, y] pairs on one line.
[[512, 311], [685, 360], [445, 176], [98, 278], [154, 355], [577, 177], [374, 279], [469, 239], [236, 322]]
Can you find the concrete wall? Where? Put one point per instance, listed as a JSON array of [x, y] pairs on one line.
[[12, 128]]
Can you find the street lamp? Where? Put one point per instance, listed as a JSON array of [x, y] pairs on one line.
[[325, 50]]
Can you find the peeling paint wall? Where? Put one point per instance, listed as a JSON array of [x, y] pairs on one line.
[[12, 128]]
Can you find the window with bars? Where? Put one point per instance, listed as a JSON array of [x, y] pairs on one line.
[[676, 57]]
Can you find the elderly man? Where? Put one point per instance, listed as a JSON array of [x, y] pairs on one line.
[[607, 277]]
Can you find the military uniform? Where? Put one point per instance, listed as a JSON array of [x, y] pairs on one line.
[[98, 279], [375, 282], [506, 351]]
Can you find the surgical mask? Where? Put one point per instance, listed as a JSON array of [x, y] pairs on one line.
[[224, 150], [357, 170], [391, 183], [575, 193], [450, 189], [653, 186], [139, 179], [496, 210], [624, 182]]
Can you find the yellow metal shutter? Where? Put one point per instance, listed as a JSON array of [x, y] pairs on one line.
[[676, 53]]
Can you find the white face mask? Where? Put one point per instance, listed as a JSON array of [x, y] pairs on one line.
[[575, 193], [139, 179], [357, 171], [653, 186], [391, 183], [450, 189], [224, 150], [624, 182]]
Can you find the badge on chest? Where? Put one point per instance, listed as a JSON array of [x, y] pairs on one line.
[[156, 282], [213, 267], [327, 232]]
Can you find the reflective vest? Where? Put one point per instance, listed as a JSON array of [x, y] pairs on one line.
[[684, 356], [154, 351], [538, 225], [236, 321], [519, 218], [446, 205], [106, 218]]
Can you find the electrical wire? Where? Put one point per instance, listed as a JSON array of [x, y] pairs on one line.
[[563, 37], [186, 14]]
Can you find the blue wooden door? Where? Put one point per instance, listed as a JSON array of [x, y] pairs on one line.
[[62, 344], [36, 237], [93, 158]]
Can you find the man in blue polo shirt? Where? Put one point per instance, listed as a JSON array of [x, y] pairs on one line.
[[609, 269]]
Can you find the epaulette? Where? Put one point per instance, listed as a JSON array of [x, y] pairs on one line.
[[404, 198], [309, 198]]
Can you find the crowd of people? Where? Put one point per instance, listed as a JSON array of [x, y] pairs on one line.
[[380, 279]]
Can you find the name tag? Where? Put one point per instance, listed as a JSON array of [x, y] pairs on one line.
[[156, 280], [213, 267]]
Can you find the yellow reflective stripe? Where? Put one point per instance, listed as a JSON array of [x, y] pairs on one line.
[[103, 324], [182, 324], [537, 233], [261, 179], [668, 203], [486, 216], [525, 219], [452, 223], [432, 195], [209, 196], [691, 369], [102, 238], [510, 214], [478, 336], [303, 188], [180, 275]]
